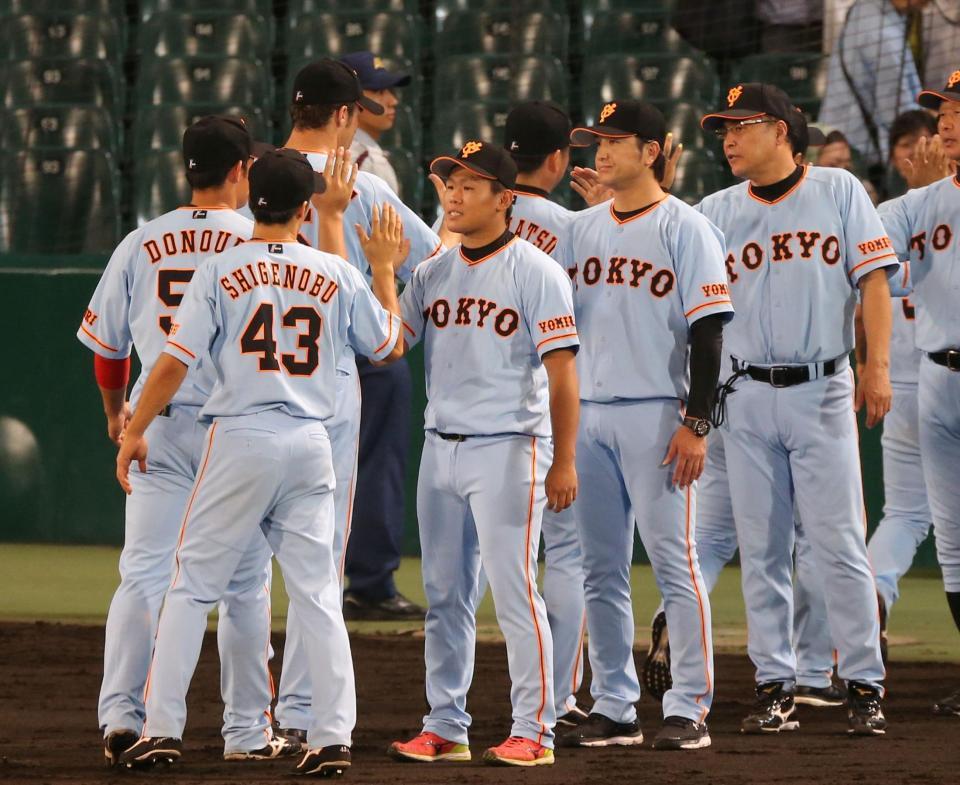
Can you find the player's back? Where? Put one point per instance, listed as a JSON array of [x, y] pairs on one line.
[[538, 220]]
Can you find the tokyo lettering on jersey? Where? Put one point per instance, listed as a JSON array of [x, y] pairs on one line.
[[486, 326], [922, 226], [275, 318], [640, 284], [538, 220], [793, 265], [144, 282]]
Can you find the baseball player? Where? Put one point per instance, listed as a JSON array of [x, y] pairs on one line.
[[922, 226], [495, 315], [133, 307], [274, 316], [650, 268], [324, 107], [799, 241]]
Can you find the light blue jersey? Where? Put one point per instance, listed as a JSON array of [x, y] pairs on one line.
[[492, 320], [793, 265], [142, 286], [271, 315], [539, 221]]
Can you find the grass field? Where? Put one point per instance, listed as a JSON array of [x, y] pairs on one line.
[[75, 583]]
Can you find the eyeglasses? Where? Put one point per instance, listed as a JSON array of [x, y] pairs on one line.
[[739, 127]]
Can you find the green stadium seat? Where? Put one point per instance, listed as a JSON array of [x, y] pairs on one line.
[[58, 81], [58, 201], [658, 78], [501, 79], [74, 127], [406, 133], [161, 127], [197, 80], [57, 35], [683, 120], [150, 8], [699, 173], [159, 184], [632, 31], [389, 35], [501, 32], [459, 123], [113, 8], [802, 75], [300, 10], [590, 9], [206, 34], [410, 174], [514, 8]]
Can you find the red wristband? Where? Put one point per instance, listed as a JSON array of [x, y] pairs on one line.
[[111, 374]]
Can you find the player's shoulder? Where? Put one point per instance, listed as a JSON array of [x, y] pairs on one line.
[[829, 176], [719, 200], [437, 264], [591, 216]]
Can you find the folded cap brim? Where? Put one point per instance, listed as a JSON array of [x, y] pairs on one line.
[[711, 122], [586, 136], [444, 165], [370, 105], [931, 99]]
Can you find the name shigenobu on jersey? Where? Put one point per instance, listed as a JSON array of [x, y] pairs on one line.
[[285, 276]]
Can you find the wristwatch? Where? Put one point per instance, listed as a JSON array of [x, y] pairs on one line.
[[699, 425]]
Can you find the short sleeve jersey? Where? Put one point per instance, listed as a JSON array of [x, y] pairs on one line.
[[793, 265], [275, 318], [904, 355], [143, 284], [539, 221], [640, 284], [485, 326]]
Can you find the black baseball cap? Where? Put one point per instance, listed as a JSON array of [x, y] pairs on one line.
[[622, 119], [536, 128], [215, 143], [329, 81], [372, 72], [807, 135], [486, 160], [283, 179], [931, 99], [753, 100]]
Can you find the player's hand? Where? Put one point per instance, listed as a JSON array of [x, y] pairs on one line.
[[874, 392], [689, 451], [672, 155], [340, 174], [117, 423], [385, 243], [133, 448], [561, 485], [586, 182], [928, 164]]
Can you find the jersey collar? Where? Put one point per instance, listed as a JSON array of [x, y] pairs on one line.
[[639, 214], [785, 194]]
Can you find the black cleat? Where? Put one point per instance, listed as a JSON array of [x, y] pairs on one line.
[[884, 643], [863, 710], [148, 753], [296, 735], [821, 697], [655, 673], [576, 716], [278, 747], [600, 731], [116, 743], [395, 608], [949, 706], [681, 733], [332, 761], [772, 711]]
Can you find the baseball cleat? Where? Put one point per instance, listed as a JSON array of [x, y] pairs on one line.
[[681, 733], [863, 710], [116, 743], [518, 751], [884, 642], [332, 761], [655, 674], [428, 747], [296, 735], [576, 716], [149, 752], [600, 731], [278, 747], [821, 697], [772, 710], [949, 706]]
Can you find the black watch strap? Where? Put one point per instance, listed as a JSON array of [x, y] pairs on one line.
[[699, 425]]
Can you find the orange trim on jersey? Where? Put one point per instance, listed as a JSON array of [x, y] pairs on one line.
[[381, 347], [182, 349], [435, 251], [874, 259], [555, 338], [533, 608], [707, 305], [97, 340], [703, 619], [649, 210], [796, 185], [488, 256], [409, 329]]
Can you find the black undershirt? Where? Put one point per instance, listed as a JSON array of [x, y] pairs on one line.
[[476, 254], [631, 213], [706, 347], [770, 193], [529, 189]]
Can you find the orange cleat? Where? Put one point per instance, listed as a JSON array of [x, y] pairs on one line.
[[429, 747], [518, 751]]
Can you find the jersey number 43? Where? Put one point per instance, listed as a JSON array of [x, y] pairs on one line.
[[258, 338]]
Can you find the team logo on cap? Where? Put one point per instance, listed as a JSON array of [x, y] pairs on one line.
[[298, 96], [261, 202], [191, 164], [954, 78], [734, 95], [377, 62], [470, 148], [607, 110]]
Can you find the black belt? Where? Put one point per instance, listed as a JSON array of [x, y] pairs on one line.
[[950, 358], [165, 411], [452, 437], [786, 375]]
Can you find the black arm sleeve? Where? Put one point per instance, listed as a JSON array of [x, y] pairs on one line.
[[706, 347]]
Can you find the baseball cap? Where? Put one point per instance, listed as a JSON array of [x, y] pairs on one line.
[[807, 135], [751, 100], [931, 99], [487, 160], [328, 81], [536, 128], [621, 119], [215, 143], [372, 72], [283, 179]]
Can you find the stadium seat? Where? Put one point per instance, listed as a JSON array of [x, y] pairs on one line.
[[389, 35], [410, 174], [149, 8], [202, 34], [514, 8], [227, 81], [658, 78], [802, 75], [159, 184], [501, 79], [459, 123], [590, 9], [113, 8], [162, 127], [58, 201], [699, 174], [632, 31], [501, 32], [57, 35], [683, 120], [406, 132], [74, 127], [50, 81], [300, 10]]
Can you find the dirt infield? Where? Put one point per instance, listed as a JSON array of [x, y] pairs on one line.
[[50, 675]]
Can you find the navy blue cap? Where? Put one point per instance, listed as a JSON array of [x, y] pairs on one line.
[[372, 72]]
